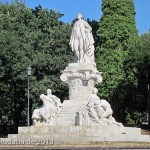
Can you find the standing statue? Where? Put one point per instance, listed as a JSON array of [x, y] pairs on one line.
[[82, 42], [48, 111]]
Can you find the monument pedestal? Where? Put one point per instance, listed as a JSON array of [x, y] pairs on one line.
[[81, 79]]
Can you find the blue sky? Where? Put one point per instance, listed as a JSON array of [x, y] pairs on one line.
[[91, 9]]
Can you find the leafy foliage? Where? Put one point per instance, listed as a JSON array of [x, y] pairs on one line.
[[116, 32], [34, 37], [141, 57]]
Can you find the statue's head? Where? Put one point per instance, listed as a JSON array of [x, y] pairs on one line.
[[49, 91], [79, 16], [95, 91]]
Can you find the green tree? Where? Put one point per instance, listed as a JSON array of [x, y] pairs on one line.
[[34, 37], [117, 30], [141, 58]]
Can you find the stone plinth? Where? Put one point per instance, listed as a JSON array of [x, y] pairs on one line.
[[81, 79], [80, 134]]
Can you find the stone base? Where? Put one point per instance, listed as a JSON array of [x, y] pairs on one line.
[[69, 129], [80, 135]]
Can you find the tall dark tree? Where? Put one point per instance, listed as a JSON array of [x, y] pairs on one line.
[[117, 30], [141, 58]]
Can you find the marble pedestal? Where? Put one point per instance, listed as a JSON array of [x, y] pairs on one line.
[[81, 79]]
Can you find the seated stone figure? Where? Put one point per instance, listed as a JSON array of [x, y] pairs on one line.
[[56, 101], [94, 111], [100, 111], [48, 111]]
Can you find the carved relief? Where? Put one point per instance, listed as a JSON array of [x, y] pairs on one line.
[[75, 85]]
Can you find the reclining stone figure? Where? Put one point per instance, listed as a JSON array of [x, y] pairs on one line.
[[100, 111]]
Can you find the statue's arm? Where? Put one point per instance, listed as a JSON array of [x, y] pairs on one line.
[[87, 26]]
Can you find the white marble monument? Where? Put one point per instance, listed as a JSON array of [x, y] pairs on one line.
[[84, 118]]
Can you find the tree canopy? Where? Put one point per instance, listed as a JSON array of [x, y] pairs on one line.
[[117, 30], [34, 37]]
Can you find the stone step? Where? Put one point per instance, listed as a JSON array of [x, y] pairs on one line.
[[66, 112], [133, 131], [144, 138], [52, 141], [128, 138], [45, 136], [57, 138], [88, 130], [65, 121], [73, 109], [77, 134]]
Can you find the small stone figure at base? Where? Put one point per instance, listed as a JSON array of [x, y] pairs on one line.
[[48, 111], [99, 111]]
